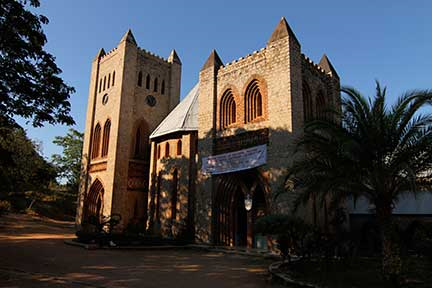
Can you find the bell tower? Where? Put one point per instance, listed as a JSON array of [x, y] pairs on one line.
[[131, 92]]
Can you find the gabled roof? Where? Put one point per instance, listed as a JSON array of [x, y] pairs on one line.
[[184, 117]]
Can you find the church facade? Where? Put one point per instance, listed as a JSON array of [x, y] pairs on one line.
[[208, 167]]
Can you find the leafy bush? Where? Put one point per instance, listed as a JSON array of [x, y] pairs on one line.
[[292, 233], [5, 207]]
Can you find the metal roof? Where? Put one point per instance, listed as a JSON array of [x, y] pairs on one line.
[[184, 117]]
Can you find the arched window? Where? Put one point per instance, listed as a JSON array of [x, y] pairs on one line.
[[96, 141], [140, 79], [105, 139], [100, 85], [174, 193], [167, 150], [109, 80], [227, 110], [158, 152], [155, 85], [253, 102], [163, 87], [113, 79], [158, 196], [104, 85], [179, 147], [139, 149], [137, 152], [320, 105], [307, 103], [148, 81]]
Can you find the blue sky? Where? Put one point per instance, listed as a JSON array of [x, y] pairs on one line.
[[365, 40]]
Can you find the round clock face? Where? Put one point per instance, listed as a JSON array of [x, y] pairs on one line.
[[105, 99], [151, 100]]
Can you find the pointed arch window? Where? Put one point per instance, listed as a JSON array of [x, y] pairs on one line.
[[174, 195], [163, 87], [105, 139], [104, 83], [228, 113], [96, 141], [140, 79], [253, 102], [138, 142], [140, 147], [113, 79], [167, 150], [155, 85], [148, 81], [307, 103], [109, 80], [100, 85], [321, 105], [179, 147]]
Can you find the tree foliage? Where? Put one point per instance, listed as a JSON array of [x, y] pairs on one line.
[[69, 163], [30, 85], [378, 153], [22, 168]]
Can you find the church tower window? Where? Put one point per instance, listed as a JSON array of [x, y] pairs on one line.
[[105, 140], [140, 79], [96, 142], [155, 86], [148, 81], [113, 79], [138, 142]]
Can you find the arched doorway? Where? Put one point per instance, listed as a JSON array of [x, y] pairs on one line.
[[94, 200], [233, 225]]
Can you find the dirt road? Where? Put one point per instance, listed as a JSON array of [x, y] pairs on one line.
[[33, 255]]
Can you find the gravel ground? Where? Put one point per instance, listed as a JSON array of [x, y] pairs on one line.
[[33, 255]]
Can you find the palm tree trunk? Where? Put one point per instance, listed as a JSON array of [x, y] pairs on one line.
[[391, 261]]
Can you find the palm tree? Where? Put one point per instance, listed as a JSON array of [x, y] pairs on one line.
[[375, 152]]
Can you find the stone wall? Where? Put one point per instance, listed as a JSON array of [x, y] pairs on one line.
[[180, 158]]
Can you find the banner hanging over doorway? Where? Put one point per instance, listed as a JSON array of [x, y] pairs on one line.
[[235, 161]]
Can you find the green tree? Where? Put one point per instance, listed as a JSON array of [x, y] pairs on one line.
[[29, 83], [22, 168], [378, 153], [69, 163]]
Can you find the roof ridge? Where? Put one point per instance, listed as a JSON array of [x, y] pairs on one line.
[[176, 120]]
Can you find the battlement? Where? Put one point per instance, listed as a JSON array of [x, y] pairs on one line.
[[108, 54], [314, 67], [153, 56], [244, 60]]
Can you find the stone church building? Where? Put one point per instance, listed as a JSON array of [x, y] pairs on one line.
[[207, 167]]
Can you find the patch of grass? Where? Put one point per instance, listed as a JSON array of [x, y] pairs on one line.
[[362, 272]]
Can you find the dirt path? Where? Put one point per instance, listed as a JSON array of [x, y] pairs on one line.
[[33, 255]]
